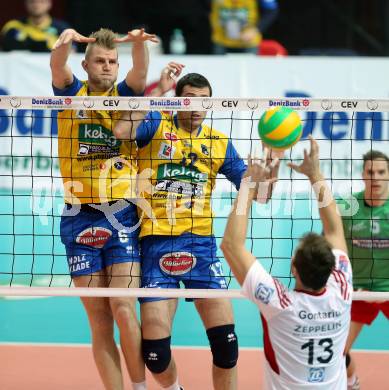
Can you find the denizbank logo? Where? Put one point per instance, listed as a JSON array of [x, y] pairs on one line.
[[180, 172], [289, 103], [97, 134], [47, 102], [169, 103]]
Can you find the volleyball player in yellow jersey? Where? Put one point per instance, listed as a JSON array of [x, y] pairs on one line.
[[237, 25], [184, 156], [98, 224]]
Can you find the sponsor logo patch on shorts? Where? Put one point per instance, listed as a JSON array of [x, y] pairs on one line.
[[94, 236], [177, 263]]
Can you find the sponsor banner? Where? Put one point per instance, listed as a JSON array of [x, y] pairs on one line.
[[193, 104]]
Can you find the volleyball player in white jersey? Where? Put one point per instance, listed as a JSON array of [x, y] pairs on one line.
[[305, 329]]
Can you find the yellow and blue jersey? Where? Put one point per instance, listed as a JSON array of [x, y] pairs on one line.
[[229, 18], [182, 168], [95, 166], [21, 34]]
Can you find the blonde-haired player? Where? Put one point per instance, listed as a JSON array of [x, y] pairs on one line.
[[98, 226]]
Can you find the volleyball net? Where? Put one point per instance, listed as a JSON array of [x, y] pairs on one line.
[[32, 256]]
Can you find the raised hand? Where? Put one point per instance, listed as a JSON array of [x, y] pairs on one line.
[[68, 36], [137, 35], [310, 166], [259, 168], [169, 76]]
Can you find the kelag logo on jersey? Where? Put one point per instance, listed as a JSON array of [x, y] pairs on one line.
[[97, 134], [316, 375], [180, 172], [263, 293]]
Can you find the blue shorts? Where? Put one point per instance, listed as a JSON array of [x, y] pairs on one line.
[[189, 258], [93, 242]]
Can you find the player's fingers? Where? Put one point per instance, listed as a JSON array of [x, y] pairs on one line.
[[152, 38], [122, 39], [82, 38], [272, 180], [176, 65], [274, 163], [264, 156], [314, 146], [57, 43], [249, 161], [305, 154], [295, 167]]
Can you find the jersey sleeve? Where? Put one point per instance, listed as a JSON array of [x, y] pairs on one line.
[[125, 90], [265, 291], [70, 90], [147, 129], [233, 167], [342, 276]]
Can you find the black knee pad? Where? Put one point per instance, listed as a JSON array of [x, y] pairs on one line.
[[157, 354], [224, 345], [348, 360]]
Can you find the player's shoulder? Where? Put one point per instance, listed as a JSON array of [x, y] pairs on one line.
[[78, 87], [163, 115], [213, 134], [14, 24]]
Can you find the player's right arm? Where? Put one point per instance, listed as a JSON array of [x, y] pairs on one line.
[[61, 73], [257, 284], [233, 246], [127, 126], [331, 220]]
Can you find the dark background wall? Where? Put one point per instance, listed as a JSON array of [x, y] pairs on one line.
[[304, 26]]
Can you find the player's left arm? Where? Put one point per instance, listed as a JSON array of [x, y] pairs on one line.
[[136, 77], [331, 220], [233, 167], [238, 257]]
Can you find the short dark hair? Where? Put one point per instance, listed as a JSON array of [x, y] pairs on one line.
[[374, 155], [314, 261], [194, 80]]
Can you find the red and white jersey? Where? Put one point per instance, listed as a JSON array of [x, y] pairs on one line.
[[304, 334]]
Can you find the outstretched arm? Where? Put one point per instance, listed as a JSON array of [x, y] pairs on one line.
[[125, 127], [61, 73], [136, 77], [332, 222], [255, 182], [273, 173]]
